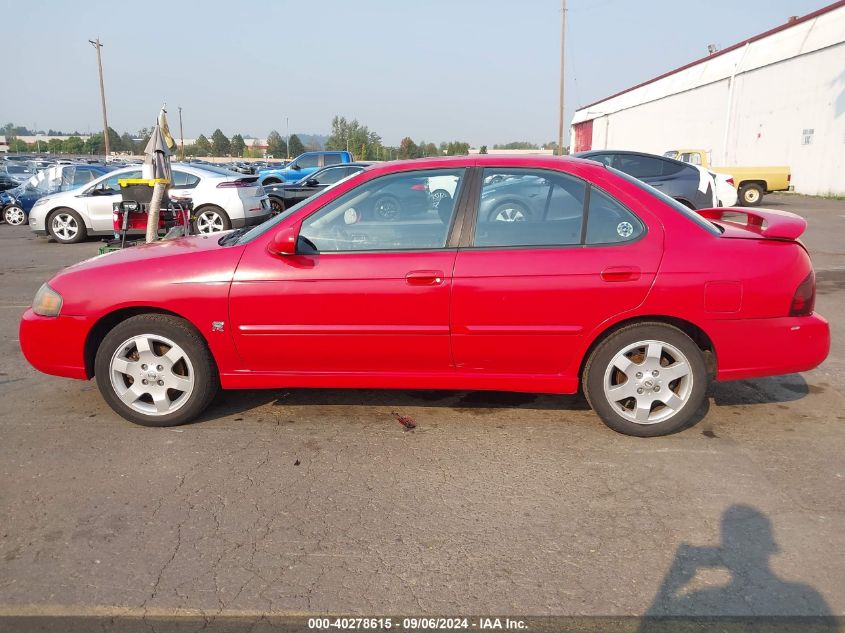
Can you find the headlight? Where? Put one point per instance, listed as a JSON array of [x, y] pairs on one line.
[[47, 302], [41, 201]]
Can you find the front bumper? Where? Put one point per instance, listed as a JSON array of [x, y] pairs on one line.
[[55, 345], [753, 348]]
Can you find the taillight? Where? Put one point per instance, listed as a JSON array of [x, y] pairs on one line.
[[730, 181], [804, 299], [238, 184], [789, 177], [419, 187]]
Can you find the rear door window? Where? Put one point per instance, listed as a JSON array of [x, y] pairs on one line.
[[332, 159], [529, 208]]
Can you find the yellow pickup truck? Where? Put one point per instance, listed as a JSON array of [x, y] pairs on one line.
[[751, 182]]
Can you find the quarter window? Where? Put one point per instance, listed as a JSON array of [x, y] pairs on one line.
[[184, 180], [608, 222], [331, 159], [529, 208], [393, 212]]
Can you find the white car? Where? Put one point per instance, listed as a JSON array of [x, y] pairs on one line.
[[726, 194], [222, 200]]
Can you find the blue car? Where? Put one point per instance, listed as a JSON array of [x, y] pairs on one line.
[[15, 204], [302, 166]]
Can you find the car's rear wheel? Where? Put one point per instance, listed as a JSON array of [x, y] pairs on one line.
[[66, 226], [14, 215], [646, 379], [212, 220], [155, 370], [509, 212], [751, 195]]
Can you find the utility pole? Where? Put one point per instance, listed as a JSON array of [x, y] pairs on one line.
[[96, 44], [181, 137], [562, 60], [287, 143]]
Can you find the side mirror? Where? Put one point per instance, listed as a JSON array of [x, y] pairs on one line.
[[295, 166], [311, 182], [284, 241]]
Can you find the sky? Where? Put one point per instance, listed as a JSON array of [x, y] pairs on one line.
[[480, 71]]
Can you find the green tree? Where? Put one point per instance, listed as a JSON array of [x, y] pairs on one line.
[[127, 144], [73, 145], [238, 145], [517, 145], [483, 149], [94, 144], [17, 145], [296, 146], [55, 146], [457, 148], [220, 145], [202, 147], [358, 139], [276, 145], [407, 148]]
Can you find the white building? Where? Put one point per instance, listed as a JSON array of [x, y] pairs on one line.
[[774, 99]]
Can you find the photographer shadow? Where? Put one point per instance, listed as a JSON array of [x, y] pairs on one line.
[[752, 598]]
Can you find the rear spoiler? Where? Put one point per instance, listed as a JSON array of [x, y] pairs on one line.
[[768, 223]]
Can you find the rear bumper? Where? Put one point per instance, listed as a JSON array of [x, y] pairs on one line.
[[55, 345], [753, 348]]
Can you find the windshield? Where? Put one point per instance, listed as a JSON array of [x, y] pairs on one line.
[[677, 206], [269, 224]]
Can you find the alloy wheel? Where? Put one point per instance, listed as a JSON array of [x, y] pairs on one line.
[[65, 226], [151, 374], [648, 381], [509, 213], [14, 215], [209, 222]]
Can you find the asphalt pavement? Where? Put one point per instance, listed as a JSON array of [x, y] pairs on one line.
[[315, 501]]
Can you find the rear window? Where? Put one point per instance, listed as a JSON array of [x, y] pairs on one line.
[[677, 206]]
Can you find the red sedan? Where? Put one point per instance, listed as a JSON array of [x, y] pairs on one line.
[[533, 274]]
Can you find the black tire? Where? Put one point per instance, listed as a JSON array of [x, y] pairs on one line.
[[600, 360], [510, 208], [206, 381], [56, 232], [387, 208], [206, 212], [277, 205], [751, 195]]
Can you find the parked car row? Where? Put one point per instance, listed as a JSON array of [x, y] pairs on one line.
[[221, 200]]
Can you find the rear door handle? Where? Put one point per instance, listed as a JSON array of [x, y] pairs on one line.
[[424, 277], [620, 273]]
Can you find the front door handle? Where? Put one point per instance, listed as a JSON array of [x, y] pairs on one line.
[[620, 273], [424, 277]]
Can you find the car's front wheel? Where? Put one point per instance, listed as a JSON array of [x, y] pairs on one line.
[[212, 220], [66, 226], [155, 370], [646, 379], [14, 215]]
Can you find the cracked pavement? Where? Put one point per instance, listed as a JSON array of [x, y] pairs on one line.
[[315, 501]]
